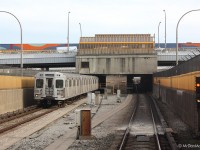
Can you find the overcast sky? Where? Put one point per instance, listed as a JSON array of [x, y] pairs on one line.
[[45, 21]]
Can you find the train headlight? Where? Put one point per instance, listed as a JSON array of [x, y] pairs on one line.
[[36, 95]]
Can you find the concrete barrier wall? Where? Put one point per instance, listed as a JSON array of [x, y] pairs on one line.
[[13, 82], [14, 99], [181, 103]]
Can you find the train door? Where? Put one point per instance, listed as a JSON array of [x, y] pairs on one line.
[[49, 87], [66, 88]]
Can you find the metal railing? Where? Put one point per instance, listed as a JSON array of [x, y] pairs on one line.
[[185, 67]]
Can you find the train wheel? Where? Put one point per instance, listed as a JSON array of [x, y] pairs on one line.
[[61, 104]]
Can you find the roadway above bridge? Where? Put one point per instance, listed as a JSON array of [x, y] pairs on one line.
[[52, 58], [42, 59]]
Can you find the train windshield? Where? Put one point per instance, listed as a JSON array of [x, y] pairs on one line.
[[39, 83], [49, 82], [59, 83]]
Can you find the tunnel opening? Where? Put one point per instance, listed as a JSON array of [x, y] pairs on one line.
[[125, 83], [144, 86]]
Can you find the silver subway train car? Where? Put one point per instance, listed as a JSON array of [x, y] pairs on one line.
[[56, 87]]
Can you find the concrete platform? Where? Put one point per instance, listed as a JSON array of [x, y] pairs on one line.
[[9, 138], [65, 141]]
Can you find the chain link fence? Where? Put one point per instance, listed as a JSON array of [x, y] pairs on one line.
[[188, 66]]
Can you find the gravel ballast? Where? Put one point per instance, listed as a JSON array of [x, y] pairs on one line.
[[102, 135]]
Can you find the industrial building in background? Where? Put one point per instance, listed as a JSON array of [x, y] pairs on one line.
[[121, 55], [116, 54]]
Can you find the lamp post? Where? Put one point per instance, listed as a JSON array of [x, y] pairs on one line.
[[68, 32], [158, 35], [80, 29], [21, 62], [165, 30], [177, 32]]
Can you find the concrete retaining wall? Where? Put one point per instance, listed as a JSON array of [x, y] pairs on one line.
[[15, 82], [181, 103], [14, 99]]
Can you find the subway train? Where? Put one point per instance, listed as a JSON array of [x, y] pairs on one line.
[[56, 87]]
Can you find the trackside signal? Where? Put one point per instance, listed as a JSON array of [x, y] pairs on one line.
[[197, 86]]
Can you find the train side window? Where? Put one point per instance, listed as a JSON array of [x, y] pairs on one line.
[[59, 83], [39, 83]]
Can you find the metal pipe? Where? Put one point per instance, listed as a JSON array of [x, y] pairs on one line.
[[177, 33], [21, 62]]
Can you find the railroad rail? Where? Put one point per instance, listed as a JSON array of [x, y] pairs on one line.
[[26, 117], [13, 119], [145, 130], [18, 113]]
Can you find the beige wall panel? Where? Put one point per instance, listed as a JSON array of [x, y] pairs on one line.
[[12, 82], [14, 99], [182, 82], [11, 100]]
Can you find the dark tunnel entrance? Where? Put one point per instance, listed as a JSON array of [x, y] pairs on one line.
[[125, 83], [144, 86]]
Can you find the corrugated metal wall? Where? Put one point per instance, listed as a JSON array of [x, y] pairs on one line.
[[176, 87], [182, 82], [181, 103]]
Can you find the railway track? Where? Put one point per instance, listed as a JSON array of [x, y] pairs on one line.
[[145, 130], [13, 119], [26, 117], [18, 113]]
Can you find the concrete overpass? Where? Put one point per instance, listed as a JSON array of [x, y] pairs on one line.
[[46, 59]]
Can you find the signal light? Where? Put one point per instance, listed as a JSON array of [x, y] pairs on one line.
[[197, 88]]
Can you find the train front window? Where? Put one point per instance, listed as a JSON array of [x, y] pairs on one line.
[[59, 83], [49, 82], [39, 83]]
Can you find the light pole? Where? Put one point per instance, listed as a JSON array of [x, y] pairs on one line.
[[68, 32], [80, 29], [21, 66], [165, 30], [177, 32], [158, 35]]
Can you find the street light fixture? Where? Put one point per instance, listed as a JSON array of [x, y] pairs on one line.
[[21, 63], [177, 33], [158, 35], [165, 30], [68, 32], [80, 29]]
